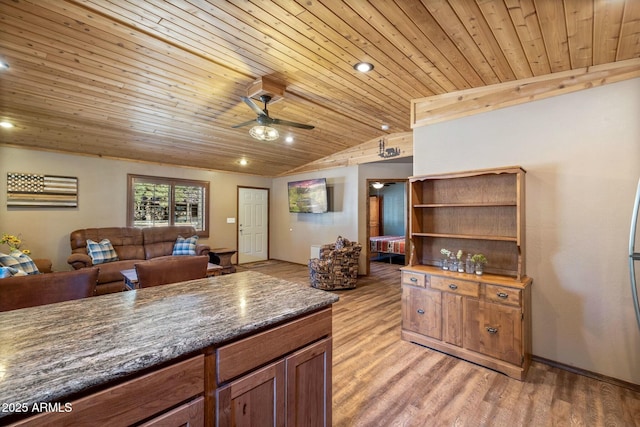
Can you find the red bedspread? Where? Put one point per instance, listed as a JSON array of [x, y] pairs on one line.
[[387, 244]]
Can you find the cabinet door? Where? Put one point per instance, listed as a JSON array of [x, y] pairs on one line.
[[452, 318], [309, 386], [421, 311], [494, 330], [188, 415], [255, 400]]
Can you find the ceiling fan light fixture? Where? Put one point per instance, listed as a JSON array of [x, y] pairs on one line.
[[363, 67], [377, 185], [264, 133]]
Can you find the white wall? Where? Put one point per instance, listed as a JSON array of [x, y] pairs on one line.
[[582, 156], [102, 194], [293, 234]]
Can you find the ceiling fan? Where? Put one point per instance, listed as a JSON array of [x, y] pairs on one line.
[[263, 118]]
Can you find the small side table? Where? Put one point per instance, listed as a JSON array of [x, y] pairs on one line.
[[222, 257]]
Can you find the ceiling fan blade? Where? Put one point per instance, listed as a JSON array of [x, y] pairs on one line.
[[244, 124], [253, 106], [292, 124]]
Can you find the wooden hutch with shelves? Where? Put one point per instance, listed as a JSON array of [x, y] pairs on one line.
[[486, 318]]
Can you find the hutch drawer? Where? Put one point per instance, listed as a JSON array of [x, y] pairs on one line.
[[462, 287]]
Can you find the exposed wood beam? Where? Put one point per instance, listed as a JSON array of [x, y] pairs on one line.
[[454, 105]]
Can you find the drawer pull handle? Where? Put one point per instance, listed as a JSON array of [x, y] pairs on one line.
[[420, 311], [502, 295], [492, 330], [452, 286], [414, 279]]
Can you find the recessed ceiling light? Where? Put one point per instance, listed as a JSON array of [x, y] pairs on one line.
[[384, 127], [289, 139], [363, 67], [3, 65], [6, 125], [243, 162]]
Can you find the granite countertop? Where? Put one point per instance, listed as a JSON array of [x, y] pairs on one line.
[[49, 352]]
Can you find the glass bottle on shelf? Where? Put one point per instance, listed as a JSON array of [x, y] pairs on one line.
[[469, 265], [453, 263]]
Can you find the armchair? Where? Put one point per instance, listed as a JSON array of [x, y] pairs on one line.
[[161, 271], [40, 289], [337, 267]]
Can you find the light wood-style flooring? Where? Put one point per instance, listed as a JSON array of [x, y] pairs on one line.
[[380, 380]]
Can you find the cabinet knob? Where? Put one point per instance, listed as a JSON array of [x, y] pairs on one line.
[[420, 311], [414, 279], [502, 295], [452, 286], [492, 330]]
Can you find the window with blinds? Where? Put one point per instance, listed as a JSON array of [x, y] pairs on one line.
[[158, 202]]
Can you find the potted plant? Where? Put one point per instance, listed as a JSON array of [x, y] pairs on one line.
[[479, 260]]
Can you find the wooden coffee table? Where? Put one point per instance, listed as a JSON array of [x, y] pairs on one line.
[[131, 277]]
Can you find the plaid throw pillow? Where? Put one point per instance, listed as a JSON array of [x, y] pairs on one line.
[[101, 252], [10, 272], [185, 246], [19, 261]]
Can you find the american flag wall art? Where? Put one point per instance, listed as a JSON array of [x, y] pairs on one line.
[[26, 189]]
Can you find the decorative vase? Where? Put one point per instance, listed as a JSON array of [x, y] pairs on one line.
[[479, 269], [445, 264]]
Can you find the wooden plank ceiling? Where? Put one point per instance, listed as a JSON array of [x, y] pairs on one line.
[[162, 81]]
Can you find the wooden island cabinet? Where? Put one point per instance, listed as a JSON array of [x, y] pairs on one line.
[[293, 389], [485, 318], [242, 356]]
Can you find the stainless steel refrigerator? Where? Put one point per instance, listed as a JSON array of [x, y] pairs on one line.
[[634, 254]]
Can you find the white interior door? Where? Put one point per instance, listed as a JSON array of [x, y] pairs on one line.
[[253, 224]]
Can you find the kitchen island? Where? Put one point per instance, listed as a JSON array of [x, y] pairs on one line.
[[197, 351]]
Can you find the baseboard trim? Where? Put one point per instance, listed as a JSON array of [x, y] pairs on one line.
[[589, 374]]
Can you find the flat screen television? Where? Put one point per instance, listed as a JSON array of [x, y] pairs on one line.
[[309, 196]]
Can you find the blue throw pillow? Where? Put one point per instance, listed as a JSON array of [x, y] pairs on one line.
[[19, 261], [185, 246], [101, 252], [10, 272]]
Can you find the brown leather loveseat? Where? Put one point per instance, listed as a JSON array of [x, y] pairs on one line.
[[132, 245]]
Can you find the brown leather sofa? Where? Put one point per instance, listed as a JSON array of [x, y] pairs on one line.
[[39, 289], [132, 245], [43, 264]]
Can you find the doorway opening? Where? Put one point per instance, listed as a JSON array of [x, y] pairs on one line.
[[387, 222]]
